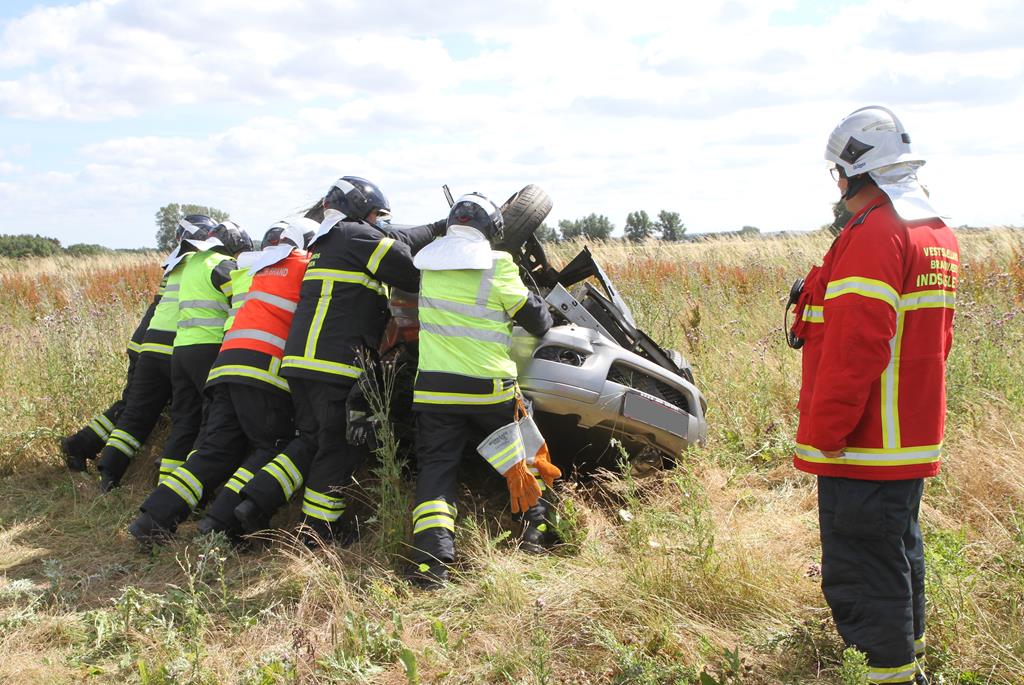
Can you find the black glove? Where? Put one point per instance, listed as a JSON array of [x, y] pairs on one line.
[[439, 228], [361, 429], [112, 465]]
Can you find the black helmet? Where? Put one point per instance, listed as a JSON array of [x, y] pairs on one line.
[[194, 226], [476, 211], [273, 236], [287, 232], [235, 239], [356, 197]]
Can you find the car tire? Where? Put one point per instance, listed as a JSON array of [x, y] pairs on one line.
[[523, 213]]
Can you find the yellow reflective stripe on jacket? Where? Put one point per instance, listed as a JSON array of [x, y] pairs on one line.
[[332, 276], [134, 346], [890, 388], [865, 287], [382, 248], [813, 314], [248, 372], [867, 456], [474, 310], [467, 332], [322, 365], [928, 299], [898, 674], [317, 324], [497, 397]]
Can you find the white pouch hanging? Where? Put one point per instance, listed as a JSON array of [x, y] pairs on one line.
[[503, 448]]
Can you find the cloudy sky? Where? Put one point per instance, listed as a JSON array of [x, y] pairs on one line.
[[717, 110]]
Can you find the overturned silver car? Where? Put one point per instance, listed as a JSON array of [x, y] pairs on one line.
[[594, 376]]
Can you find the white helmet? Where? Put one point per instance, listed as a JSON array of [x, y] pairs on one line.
[[867, 139]]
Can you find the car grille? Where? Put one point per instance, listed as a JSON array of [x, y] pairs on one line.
[[638, 380]]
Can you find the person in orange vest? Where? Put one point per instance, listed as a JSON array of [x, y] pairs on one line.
[[250, 410], [875, 323]]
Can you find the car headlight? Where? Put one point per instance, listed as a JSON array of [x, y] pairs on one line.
[[562, 355]]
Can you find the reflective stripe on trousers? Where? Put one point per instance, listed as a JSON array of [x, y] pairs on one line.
[[320, 506], [433, 514]]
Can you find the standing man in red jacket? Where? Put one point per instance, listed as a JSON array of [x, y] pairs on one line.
[[876, 321]]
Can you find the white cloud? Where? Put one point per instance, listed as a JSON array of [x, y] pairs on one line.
[[717, 112]]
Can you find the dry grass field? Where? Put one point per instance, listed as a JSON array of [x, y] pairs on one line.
[[709, 568]]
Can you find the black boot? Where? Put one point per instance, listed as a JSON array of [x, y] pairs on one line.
[[428, 576], [250, 517], [316, 534], [148, 532], [539, 534]]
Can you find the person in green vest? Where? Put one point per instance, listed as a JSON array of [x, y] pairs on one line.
[[203, 307], [465, 387], [150, 387]]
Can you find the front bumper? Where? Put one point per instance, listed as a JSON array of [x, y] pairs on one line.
[[577, 372]]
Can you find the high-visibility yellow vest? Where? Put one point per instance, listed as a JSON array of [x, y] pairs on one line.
[[466, 319], [165, 318], [241, 281], [202, 307]]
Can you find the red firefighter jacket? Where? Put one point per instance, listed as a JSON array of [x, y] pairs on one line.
[[253, 348], [877, 318]]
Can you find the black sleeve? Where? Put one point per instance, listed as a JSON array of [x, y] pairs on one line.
[[140, 330], [416, 237], [534, 316], [387, 259], [221, 274]]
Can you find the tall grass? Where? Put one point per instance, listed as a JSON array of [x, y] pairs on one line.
[[710, 567]]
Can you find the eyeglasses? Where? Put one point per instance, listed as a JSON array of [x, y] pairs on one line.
[[837, 173]]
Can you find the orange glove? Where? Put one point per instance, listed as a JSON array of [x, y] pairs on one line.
[[523, 490], [547, 471]]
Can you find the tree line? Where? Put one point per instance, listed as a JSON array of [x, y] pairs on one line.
[[26, 246], [639, 226]]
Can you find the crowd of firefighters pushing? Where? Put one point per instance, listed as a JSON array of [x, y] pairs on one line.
[[874, 323], [258, 351]]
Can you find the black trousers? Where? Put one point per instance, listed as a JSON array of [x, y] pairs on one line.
[[872, 570], [148, 393], [441, 440], [244, 426], [190, 365], [274, 484], [90, 438], [319, 457]]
